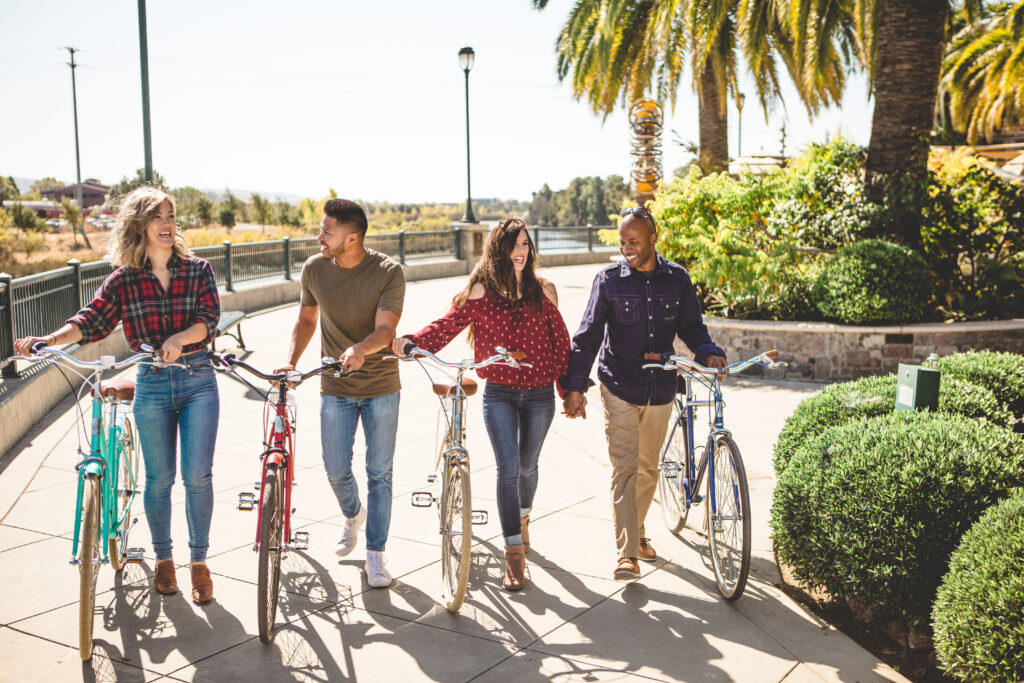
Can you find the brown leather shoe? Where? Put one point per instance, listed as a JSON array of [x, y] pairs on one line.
[[646, 551], [627, 569], [163, 580], [525, 521], [202, 584], [515, 567]]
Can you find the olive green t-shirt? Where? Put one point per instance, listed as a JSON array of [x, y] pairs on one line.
[[349, 299]]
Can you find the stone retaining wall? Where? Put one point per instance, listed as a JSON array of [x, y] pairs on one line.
[[830, 353]]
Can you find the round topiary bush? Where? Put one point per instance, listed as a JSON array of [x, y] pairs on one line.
[[874, 281], [979, 611], [869, 396], [1002, 373], [870, 510]]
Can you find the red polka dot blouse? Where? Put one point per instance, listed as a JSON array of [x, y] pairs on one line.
[[542, 336]]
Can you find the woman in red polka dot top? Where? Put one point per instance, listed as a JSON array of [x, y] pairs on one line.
[[506, 304]]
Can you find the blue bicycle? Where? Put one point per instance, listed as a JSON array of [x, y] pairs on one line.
[[681, 473]]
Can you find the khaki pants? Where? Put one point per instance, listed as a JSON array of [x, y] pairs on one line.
[[635, 436]]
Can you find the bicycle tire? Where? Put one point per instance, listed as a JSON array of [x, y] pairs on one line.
[[88, 562], [269, 579], [729, 528], [128, 465], [672, 469], [456, 536]]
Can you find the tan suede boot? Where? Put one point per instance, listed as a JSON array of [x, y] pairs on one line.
[[164, 580], [202, 584], [525, 521], [515, 567]]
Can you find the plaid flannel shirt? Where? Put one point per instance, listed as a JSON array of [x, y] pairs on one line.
[[151, 315]]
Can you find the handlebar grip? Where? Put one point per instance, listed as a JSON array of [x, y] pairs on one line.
[[408, 348], [38, 346], [773, 354], [516, 355], [654, 356]]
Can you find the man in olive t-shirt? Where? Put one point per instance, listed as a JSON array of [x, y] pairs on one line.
[[357, 294]]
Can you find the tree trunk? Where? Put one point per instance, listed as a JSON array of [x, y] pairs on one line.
[[908, 59], [714, 132]]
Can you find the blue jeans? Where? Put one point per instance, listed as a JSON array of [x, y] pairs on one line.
[[338, 419], [517, 421], [169, 402]]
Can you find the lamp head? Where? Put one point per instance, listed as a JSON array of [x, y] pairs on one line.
[[466, 57]]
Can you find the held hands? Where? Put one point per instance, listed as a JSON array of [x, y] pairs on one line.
[[574, 405]]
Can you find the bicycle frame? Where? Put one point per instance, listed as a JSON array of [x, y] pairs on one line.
[[278, 439], [103, 462]]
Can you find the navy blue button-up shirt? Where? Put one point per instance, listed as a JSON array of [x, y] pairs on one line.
[[631, 313]]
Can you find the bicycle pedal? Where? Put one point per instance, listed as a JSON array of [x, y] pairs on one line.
[[300, 540], [257, 485], [431, 478], [128, 492], [479, 516], [422, 499], [133, 555], [246, 500]]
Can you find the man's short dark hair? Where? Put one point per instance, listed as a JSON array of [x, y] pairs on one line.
[[347, 213]]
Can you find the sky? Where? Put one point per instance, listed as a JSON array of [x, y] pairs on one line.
[[365, 98]]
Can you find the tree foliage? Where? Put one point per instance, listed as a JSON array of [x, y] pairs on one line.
[[139, 179], [586, 201]]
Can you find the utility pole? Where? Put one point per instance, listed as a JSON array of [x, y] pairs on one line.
[[78, 163], [144, 68]]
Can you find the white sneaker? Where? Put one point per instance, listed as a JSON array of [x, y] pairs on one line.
[[349, 535], [377, 574]]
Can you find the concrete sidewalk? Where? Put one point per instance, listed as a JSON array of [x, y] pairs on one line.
[[572, 622]]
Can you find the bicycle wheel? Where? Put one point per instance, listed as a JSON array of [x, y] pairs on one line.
[[456, 536], [672, 469], [88, 562], [729, 524], [128, 465], [271, 526]]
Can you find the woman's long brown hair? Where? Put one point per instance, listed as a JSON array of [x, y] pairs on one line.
[[496, 273]]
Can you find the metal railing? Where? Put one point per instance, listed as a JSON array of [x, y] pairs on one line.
[[40, 303]]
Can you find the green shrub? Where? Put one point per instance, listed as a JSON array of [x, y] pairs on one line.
[[870, 396], [1000, 372], [870, 510], [979, 611], [874, 281], [794, 297]]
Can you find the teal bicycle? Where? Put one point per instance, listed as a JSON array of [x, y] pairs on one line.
[[107, 480]]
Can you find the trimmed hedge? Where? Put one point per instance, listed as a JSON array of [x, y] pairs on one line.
[[871, 510], [869, 396], [1002, 373], [979, 612], [874, 281]]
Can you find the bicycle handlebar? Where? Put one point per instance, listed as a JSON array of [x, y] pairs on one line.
[[148, 355], [669, 361], [503, 356], [293, 377]]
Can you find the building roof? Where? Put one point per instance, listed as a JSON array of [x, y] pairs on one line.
[[88, 187]]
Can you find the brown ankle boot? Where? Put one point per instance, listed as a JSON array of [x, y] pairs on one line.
[[515, 567], [163, 580], [202, 584], [525, 521]]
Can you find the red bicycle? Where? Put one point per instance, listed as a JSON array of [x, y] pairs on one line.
[[274, 535]]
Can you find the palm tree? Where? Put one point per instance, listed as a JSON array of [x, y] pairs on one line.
[[616, 51], [983, 72]]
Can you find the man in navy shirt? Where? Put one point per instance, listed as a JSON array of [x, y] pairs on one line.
[[636, 306]]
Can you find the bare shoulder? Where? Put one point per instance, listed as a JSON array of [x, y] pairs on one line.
[[549, 290], [477, 291]]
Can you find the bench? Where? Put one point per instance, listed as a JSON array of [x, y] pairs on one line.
[[230, 320]]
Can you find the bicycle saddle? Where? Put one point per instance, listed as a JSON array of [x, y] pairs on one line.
[[121, 389], [448, 388]]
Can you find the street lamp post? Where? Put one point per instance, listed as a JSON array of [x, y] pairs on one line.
[[466, 57], [739, 124]]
